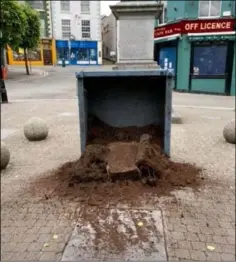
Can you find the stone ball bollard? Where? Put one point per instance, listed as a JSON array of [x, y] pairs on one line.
[[229, 132], [5, 155], [35, 129]]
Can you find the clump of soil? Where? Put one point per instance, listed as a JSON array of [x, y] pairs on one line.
[[91, 181], [111, 163]]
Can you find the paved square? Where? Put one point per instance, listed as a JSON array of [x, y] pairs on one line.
[[5, 132], [193, 220], [129, 235]]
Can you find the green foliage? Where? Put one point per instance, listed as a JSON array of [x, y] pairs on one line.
[[31, 34], [13, 23]]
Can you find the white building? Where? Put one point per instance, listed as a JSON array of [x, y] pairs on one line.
[[109, 43], [76, 27]]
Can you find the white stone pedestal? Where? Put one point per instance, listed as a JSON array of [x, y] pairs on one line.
[[135, 32]]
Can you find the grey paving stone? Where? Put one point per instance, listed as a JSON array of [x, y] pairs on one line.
[[83, 246]]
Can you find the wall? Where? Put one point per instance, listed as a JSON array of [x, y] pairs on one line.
[[135, 39], [109, 35], [173, 15], [208, 85], [233, 84], [183, 64], [75, 10], [189, 9]]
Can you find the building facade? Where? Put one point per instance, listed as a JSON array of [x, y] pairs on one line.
[[198, 41], [109, 44], [76, 28]]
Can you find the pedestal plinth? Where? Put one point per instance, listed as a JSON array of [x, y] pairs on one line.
[[135, 37]]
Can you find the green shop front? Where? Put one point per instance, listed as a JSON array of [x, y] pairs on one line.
[[202, 53]]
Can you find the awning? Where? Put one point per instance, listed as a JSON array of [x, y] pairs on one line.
[[167, 38], [196, 38]]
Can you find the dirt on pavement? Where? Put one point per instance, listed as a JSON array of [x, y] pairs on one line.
[[99, 177], [128, 171]]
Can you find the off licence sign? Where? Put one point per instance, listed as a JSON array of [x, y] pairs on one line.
[[196, 26]]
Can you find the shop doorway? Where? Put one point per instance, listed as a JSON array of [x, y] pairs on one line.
[[166, 55], [47, 57], [167, 58], [47, 51]]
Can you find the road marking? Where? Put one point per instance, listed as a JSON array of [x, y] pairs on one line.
[[211, 117], [67, 114], [42, 100], [175, 106], [5, 132], [206, 107]]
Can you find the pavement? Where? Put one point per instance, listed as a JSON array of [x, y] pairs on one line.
[[193, 225]]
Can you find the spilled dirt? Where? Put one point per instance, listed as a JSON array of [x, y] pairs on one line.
[[99, 177], [117, 168]]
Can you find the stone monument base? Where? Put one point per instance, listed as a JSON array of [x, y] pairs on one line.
[[125, 66]]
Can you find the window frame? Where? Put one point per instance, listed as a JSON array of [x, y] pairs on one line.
[[207, 76], [87, 29], [62, 2], [69, 26], [209, 11], [40, 7], [163, 17], [82, 5]]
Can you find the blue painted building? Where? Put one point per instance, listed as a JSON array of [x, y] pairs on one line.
[[77, 52], [197, 39]]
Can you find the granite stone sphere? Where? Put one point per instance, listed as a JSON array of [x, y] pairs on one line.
[[5, 155], [229, 132], [35, 129]]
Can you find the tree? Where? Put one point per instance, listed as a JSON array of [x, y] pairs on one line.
[[31, 35], [13, 22]]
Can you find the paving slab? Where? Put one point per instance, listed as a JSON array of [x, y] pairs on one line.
[[138, 236]]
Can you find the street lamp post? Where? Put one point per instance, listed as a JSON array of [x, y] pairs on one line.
[[4, 98]]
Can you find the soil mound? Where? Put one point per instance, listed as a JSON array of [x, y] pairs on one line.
[[143, 161], [127, 169]]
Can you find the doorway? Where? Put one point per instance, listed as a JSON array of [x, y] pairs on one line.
[[47, 57]]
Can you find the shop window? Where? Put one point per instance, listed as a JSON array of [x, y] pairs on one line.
[[66, 28], [93, 56], [65, 5], [163, 17], [83, 55], [63, 52], [18, 55], [85, 7], [167, 58], [85, 28], [33, 55], [209, 60], [209, 8]]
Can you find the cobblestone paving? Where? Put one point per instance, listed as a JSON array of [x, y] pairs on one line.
[[193, 221]]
